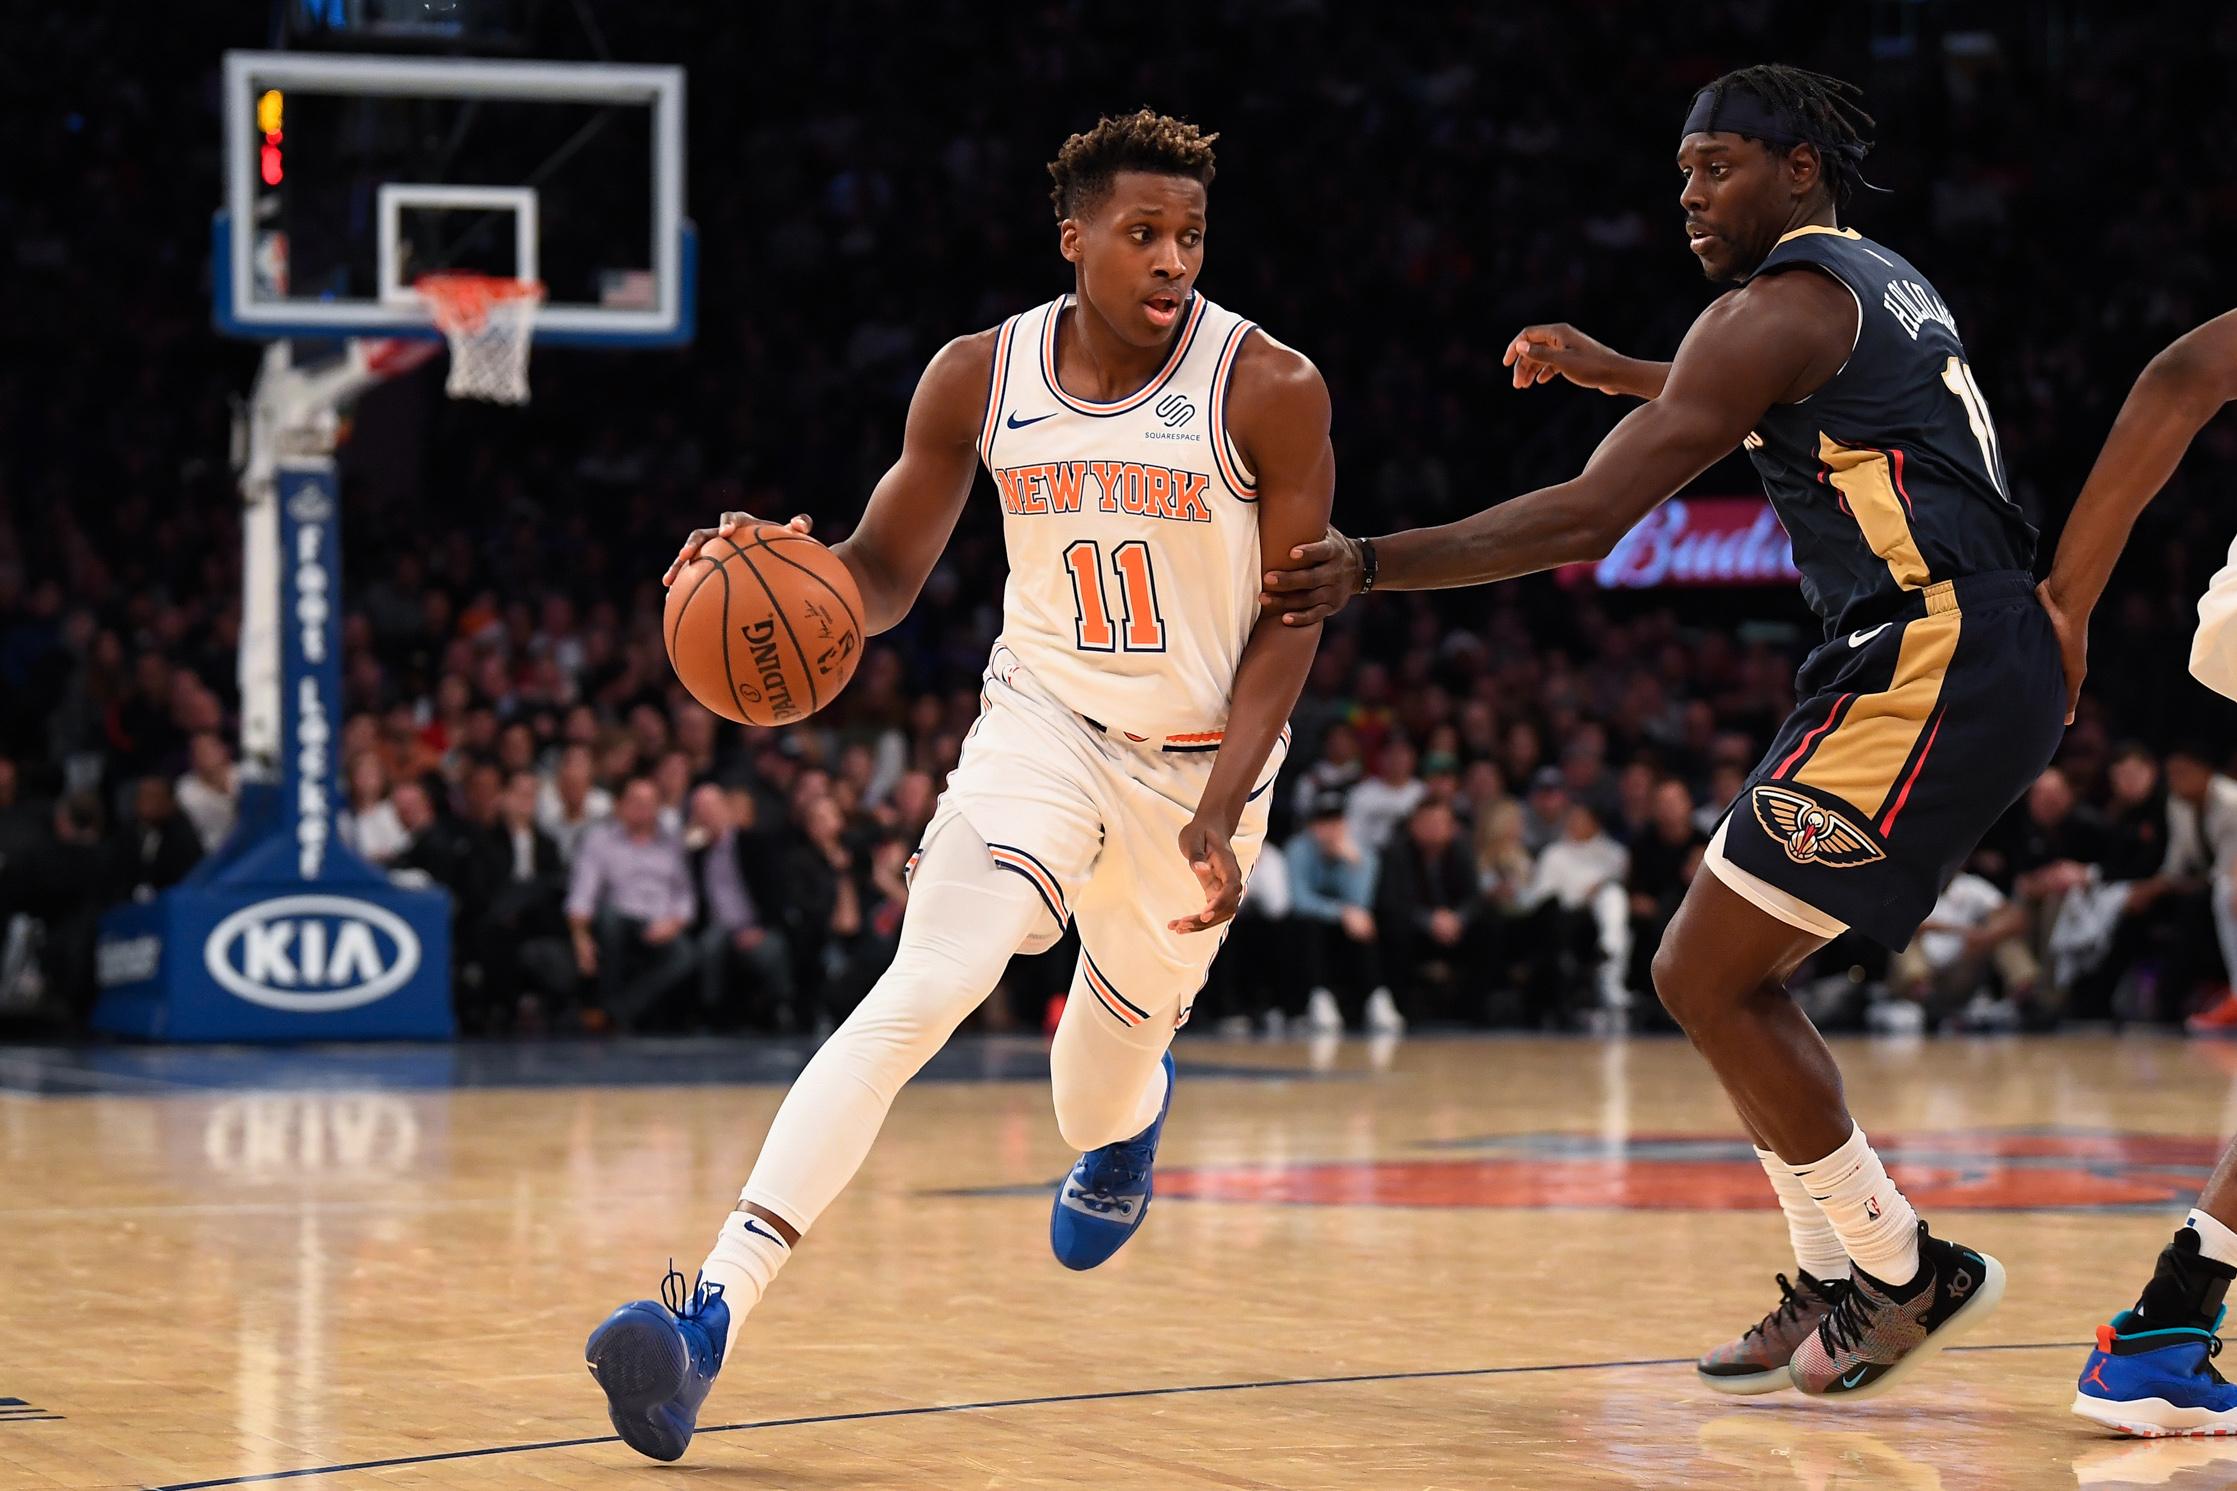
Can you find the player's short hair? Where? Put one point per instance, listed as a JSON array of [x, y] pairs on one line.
[[1140, 141], [1825, 110]]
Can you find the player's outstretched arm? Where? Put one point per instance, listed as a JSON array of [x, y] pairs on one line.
[[1538, 354], [1278, 412], [1775, 341], [2181, 389], [914, 507]]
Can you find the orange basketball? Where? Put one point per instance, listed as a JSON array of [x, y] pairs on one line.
[[764, 627]]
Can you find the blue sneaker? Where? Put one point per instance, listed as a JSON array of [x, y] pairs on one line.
[[656, 1362], [1103, 1200], [2156, 1383]]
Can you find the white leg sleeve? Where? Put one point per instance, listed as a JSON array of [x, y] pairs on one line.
[[1103, 1074], [2225, 924], [965, 919]]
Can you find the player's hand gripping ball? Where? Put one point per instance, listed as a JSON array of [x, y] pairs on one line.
[[764, 625]]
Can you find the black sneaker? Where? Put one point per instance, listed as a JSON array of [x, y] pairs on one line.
[[1871, 1338]]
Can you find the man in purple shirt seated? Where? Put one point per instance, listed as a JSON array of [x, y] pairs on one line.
[[745, 968], [628, 905]]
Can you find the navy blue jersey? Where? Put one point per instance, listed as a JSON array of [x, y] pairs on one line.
[[1889, 478]]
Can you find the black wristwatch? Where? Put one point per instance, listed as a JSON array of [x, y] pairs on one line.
[[1366, 565]]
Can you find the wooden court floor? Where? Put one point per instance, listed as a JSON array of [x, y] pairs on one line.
[[1453, 1263]]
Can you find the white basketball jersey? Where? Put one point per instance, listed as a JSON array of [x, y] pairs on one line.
[[1132, 528]]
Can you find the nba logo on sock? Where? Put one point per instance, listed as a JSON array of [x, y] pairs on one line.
[[1872, 1207]]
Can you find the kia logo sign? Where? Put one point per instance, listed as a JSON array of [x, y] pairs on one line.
[[312, 954]]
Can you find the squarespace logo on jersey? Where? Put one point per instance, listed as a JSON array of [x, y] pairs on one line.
[[312, 954]]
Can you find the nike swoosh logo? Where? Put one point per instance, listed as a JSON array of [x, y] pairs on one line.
[[1019, 424], [753, 1226], [1855, 1377], [1858, 639]]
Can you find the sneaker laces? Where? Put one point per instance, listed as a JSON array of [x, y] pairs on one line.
[[1845, 1327], [1790, 1307], [1121, 1167], [686, 1301]]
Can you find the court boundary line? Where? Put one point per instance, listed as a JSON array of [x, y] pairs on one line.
[[992, 1404]]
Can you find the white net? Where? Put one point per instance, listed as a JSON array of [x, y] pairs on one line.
[[488, 321]]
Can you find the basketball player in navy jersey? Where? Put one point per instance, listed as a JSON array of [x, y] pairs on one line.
[[2152, 1373], [1153, 453], [1936, 698]]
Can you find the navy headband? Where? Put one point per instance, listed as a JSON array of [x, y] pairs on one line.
[[1740, 112]]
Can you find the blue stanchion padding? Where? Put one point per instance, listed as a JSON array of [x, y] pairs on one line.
[[284, 933]]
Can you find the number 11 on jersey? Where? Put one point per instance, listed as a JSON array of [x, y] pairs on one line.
[[1140, 626]]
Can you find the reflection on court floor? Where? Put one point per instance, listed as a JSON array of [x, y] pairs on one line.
[[1447, 1263]]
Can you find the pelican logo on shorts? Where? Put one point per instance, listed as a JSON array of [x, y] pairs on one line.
[[1175, 409], [762, 638], [1812, 833], [312, 954]]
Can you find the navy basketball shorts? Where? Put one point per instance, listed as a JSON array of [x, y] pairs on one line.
[[1912, 738]]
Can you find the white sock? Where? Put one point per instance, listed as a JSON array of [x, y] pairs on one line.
[[2215, 1239], [1817, 1251], [747, 1255], [1874, 1222]]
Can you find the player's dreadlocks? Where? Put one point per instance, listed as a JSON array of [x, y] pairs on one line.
[[1140, 141], [1823, 110]]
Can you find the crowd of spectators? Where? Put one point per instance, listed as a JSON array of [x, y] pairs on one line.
[[1495, 798]]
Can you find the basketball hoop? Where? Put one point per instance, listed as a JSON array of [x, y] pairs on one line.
[[488, 321]]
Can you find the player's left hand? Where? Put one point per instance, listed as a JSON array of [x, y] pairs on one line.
[[1323, 579], [1204, 845], [2073, 644]]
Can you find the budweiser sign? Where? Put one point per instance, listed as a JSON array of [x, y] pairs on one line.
[[1697, 541]]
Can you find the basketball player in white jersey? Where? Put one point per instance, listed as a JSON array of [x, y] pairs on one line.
[[2152, 1371], [1152, 453]]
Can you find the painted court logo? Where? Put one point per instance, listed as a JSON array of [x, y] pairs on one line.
[[1812, 833]]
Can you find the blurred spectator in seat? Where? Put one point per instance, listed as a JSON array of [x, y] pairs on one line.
[[155, 847], [208, 794], [822, 891], [1664, 860], [629, 903], [745, 968], [671, 778], [51, 899], [571, 801], [1577, 894], [1339, 766], [1546, 809], [1379, 804], [1972, 929], [526, 963], [370, 822], [1332, 888], [1428, 907]]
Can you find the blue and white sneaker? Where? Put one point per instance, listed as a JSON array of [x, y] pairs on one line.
[[656, 1362], [1102, 1202], [2156, 1383]]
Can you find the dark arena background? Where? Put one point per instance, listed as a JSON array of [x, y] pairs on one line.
[[353, 1068]]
